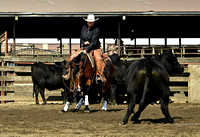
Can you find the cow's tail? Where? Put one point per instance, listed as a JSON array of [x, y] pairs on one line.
[[146, 83]]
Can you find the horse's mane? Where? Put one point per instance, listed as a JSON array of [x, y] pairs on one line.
[[76, 60]]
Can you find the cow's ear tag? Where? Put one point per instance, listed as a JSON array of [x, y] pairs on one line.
[[159, 54]]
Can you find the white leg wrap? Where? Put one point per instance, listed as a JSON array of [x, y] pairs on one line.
[[104, 105], [79, 104], [86, 100], [66, 106]]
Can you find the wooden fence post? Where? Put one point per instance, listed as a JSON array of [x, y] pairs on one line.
[[2, 83], [6, 44], [193, 84]]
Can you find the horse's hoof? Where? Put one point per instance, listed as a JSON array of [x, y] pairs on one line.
[[62, 111], [104, 109], [87, 110], [37, 103], [75, 110]]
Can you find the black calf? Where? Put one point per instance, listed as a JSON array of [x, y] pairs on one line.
[[48, 77]]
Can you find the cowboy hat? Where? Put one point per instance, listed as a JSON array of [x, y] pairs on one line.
[[91, 18]]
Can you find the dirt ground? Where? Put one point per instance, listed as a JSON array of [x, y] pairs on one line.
[[45, 120]]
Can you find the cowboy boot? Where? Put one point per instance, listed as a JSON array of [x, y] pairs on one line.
[[99, 72], [67, 76]]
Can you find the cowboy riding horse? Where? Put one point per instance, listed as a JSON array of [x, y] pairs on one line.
[[83, 75]]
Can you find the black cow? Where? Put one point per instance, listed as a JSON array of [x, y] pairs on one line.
[[48, 77], [147, 81], [118, 82], [169, 61]]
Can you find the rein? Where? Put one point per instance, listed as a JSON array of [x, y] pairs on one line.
[[68, 87]]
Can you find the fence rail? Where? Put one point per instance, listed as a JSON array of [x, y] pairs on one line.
[[188, 51], [19, 88]]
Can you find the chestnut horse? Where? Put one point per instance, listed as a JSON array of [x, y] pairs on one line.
[[83, 75]]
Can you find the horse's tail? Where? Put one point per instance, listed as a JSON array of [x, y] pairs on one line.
[[148, 68]]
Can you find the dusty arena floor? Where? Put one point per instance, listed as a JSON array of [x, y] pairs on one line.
[[38, 120]]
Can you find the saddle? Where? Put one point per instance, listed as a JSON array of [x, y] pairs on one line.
[[106, 60], [91, 58], [105, 57]]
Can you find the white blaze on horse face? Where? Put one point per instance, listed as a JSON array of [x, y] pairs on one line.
[[79, 88], [66, 106], [86, 100], [104, 105], [68, 74]]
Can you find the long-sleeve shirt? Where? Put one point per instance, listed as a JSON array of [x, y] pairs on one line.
[[92, 36]]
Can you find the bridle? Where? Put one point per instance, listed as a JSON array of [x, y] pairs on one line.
[[78, 73], [72, 78], [68, 87], [78, 76]]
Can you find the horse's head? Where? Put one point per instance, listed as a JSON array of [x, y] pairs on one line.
[[80, 70]]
